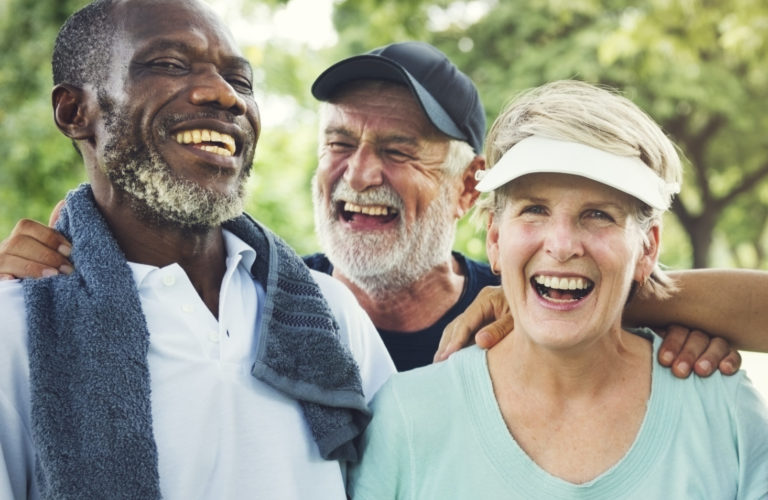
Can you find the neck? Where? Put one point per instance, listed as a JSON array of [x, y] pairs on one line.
[[607, 362], [416, 306], [576, 414], [202, 254]]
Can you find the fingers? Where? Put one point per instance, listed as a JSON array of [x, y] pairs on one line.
[[34, 250], [694, 346], [458, 332], [492, 334], [717, 353], [730, 363], [488, 306], [674, 338], [681, 347], [693, 350]]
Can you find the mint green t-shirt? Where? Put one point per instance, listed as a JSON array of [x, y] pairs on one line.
[[438, 433]]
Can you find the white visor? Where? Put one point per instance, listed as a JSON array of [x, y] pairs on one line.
[[536, 154]]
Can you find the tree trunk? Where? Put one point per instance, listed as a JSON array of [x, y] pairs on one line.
[[700, 229]]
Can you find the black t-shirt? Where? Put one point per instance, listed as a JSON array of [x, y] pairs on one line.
[[414, 349]]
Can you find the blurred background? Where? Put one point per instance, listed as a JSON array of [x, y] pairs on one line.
[[699, 67]]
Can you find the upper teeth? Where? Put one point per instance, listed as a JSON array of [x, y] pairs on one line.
[[562, 283], [199, 136], [368, 209]]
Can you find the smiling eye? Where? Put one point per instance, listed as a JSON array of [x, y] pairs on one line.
[[241, 85], [165, 64], [397, 155], [534, 210], [339, 147], [599, 214]]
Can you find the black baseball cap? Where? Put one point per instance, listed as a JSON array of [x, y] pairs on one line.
[[447, 96]]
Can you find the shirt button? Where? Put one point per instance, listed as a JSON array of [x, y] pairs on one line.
[[213, 336], [188, 308], [169, 280]]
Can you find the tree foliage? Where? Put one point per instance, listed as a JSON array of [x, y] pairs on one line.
[[38, 164]]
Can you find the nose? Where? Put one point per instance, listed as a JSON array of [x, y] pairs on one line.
[[363, 168], [563, 240], [210, 88]]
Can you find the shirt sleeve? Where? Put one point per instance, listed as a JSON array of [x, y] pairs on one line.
[[751, 415], [359, 334], [16, 450]]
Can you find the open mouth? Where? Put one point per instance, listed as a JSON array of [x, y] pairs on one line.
[[208, 140], [350, 211], [557, 289]]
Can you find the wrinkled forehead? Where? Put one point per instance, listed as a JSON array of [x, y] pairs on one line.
[[380, 105]]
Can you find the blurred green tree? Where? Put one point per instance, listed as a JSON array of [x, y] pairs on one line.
[[38, 164]]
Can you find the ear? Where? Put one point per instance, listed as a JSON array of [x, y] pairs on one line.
[[469, 193], [492, 242], [71, 112], [649, 254]]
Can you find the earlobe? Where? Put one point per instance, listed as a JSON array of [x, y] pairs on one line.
[[650, 254], [492, 243], [71, 112], [469, 193]]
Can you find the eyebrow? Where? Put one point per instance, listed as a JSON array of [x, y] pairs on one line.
[[393, 138], [340, 131], [163, 44], [593, 204]]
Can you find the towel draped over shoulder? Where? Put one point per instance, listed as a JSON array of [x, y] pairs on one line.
[[89, 376]]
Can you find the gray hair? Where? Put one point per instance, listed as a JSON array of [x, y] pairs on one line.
[[83, 46]]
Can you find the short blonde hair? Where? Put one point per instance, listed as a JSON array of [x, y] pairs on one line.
[[595, 116]]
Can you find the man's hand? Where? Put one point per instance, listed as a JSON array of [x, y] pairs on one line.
[[683, 348], [489, 313], [33, 250]]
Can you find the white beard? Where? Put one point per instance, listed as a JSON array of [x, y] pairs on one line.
[[385, 262]]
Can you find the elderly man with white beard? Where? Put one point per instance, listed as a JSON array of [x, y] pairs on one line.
[[400, 141]]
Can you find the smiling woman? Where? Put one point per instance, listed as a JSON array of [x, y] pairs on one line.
[[579, 182]]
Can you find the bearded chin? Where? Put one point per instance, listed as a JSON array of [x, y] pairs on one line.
[[161, 198], [383, 263]]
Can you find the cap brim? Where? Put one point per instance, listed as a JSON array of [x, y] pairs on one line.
[[375, 67]]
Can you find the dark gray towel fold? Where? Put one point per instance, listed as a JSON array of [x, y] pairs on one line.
[[90, 390]]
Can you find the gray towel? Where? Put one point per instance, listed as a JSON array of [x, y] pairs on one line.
[[90, 390]]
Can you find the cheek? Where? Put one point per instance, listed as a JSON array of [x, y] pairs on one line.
[[329, 171], [618, 256], [517, 244], [416, 190]]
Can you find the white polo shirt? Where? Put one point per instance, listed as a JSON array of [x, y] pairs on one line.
[[220, 432]]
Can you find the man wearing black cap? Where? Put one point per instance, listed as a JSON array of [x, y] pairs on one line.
[[401, 138]]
